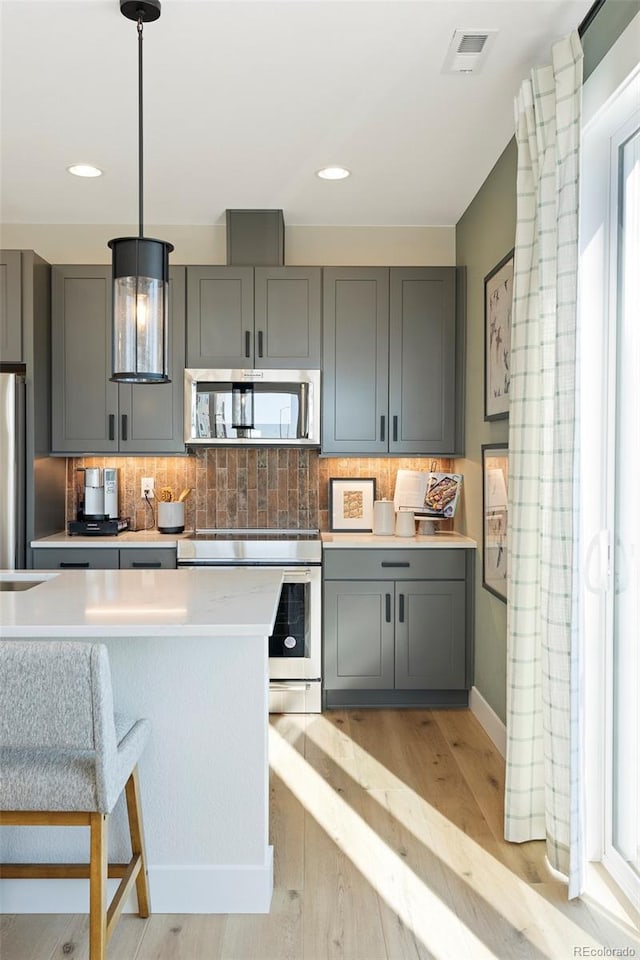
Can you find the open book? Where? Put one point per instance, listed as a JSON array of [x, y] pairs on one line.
[[427, 494]]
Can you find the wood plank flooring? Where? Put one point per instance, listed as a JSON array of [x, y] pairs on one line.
[[387, 828]]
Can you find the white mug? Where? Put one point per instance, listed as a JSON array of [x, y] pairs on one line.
[[405, 523]]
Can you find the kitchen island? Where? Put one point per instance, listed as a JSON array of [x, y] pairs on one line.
[[188, 650]]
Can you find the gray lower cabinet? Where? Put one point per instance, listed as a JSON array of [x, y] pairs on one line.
[[391, 641], [90, 414], [240, 317], [148, 558], [393, 343], [76, 558], [104, 558]]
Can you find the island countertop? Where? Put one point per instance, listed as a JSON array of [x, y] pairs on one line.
[[108, 603]]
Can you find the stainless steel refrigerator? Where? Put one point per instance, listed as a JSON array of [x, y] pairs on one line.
[[12, 471]]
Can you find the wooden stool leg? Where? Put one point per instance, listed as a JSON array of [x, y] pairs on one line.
[[134, 810], [98, 888]]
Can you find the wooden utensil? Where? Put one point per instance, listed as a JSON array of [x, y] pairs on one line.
[[166, 494], [185, 493]]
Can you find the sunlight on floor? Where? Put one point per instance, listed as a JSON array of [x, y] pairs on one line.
[[531, 917], [430, 920]]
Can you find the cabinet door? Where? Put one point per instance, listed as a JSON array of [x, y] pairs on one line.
[[148, 558], [422, 360], [287, 317], [355, 350], [84, 402], [10, 306], [430, 635], [220, 317], [358, 635], [71, 558], [151, 415]]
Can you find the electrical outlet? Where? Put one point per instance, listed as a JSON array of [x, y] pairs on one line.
[[147, 484]]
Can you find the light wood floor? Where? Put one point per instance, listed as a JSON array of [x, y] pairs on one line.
[[387, 830]]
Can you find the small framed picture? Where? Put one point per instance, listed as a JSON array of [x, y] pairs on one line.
[[498, 303], [495, 484], [351, 504]]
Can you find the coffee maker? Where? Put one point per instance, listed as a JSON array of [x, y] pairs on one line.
[[100, 495], [97, 511]]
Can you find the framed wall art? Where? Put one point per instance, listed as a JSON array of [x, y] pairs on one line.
[[495, 484], [498, 303], [351, 504]]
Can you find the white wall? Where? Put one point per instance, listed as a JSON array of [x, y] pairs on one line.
[[371, 246]]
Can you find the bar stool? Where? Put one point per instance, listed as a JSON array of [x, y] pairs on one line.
[[64, 761]]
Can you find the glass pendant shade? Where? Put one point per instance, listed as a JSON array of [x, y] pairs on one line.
[[242, 406], [140, 310]]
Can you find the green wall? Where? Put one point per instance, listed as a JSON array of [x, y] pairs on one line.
[[484, 234]]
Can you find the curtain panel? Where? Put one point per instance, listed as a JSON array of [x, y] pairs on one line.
[[542, 799]]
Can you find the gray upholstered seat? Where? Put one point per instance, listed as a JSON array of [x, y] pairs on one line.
[[60, 748], [65, 759]]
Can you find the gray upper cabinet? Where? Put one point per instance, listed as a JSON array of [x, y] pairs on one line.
[[355, 360], [392, 358], [422, 360], [90, 414], [239, 317], [10, 306]]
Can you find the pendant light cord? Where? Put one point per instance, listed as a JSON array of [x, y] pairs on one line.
[[140, 146]]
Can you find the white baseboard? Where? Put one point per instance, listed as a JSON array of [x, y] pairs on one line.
[[174, 889], [489, 720]]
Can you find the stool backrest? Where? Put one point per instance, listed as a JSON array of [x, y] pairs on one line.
[[56, 694]]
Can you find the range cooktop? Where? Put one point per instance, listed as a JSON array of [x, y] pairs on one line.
[[252, 546]]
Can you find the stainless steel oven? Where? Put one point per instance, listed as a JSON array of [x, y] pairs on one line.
[[295, 647]]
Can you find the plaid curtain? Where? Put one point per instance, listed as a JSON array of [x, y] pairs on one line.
[[542, 783]]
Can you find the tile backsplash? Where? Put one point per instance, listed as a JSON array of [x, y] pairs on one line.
[[244, 487]]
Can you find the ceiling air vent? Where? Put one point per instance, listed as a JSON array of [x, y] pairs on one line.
[[468, 51]]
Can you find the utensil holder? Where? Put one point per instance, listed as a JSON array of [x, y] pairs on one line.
[[171, 517]]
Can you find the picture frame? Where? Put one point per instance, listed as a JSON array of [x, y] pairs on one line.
[[495, 486], [351, 504], [498, 306]]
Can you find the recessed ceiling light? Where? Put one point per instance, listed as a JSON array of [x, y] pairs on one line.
[[84, 170], [333, 173]]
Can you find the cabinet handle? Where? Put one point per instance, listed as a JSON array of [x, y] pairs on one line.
[[388, 607], [124, 430], [247, 343], [382, 427], [112, 426], [395, 429], [401, 608], [69, 564], [260, 353], [146, 564], [388, 563]]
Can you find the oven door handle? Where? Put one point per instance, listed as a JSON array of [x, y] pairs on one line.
[[282, 685]]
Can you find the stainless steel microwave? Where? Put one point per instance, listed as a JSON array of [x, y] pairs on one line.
[[252, 407]]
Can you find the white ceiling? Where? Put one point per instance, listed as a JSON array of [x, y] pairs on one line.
[[244, 101]]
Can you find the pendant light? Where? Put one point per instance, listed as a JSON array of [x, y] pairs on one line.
[[140, 269]]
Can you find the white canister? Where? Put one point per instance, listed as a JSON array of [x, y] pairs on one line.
[[405, 523], [171, 517], [383, 518]]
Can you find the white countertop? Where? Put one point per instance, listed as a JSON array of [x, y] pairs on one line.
[[128, 538], [193, 602], [447, 539]]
